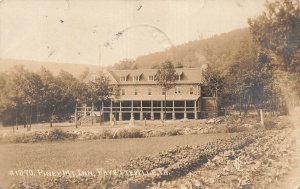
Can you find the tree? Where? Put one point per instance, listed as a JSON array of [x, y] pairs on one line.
[[248, 80], [52, 94], [24, 92], [277, 30], [166, 77], [101, 89], [214, 81]]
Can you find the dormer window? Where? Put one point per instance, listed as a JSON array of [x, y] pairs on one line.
[[136, 78], [151, 78], [123, 78], [179, 75]]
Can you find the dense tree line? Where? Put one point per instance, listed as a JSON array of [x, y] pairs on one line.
[[264, 70], [27, 97]]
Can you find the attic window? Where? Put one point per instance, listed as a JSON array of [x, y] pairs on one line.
[[151, 77], [179, 76], [123, 78], [136, 78]]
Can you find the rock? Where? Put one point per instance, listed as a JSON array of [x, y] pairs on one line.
[[211, 121], [247, 126]]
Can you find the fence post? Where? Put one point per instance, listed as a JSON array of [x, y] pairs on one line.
[[76, 116], [92, 112], [262, 118]]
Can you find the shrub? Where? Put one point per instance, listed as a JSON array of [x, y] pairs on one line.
[[174, 132], [129, 133], [235, 129], [106, 134], [53, 135], [269, 124], [59, 134]]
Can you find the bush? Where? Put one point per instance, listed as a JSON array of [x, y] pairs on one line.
[[106, 134], [174, 132], [53, 135], [59, 134], [236, 129], [129, 133], [269, 124]]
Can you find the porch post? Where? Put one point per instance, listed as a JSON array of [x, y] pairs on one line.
[[131, 114], [141, 113], [131, 122], [173, 113], [110, 112], [195, 110], [185, 114], [120, 112], [161, 110], [152, 113]]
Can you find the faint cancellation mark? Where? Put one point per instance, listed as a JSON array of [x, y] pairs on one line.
[[154, 31]]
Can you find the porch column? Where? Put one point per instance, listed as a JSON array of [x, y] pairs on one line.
[[120, 112], [152, 113], [131, 122], [185, 114], [84, 109], [195, 110], [161, 110], [141, 113], [131, 114], [110, 112], [173, 113]]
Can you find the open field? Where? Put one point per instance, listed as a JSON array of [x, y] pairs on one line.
[[88, 155], [192, 159], [42, 132]]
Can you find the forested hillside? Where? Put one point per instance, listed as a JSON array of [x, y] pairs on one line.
[[218, 50]]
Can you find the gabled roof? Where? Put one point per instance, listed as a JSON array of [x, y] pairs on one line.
[[189, 75]]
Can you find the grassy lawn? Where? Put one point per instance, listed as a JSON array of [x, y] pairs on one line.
[[97, 127], [87, 155]]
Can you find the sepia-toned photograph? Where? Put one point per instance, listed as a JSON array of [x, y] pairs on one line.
[[140, 94]]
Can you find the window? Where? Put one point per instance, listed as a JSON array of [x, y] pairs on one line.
[[163, 92], [191, 90], [177, 90], [136, 78], [123, 78], [149, 91], [123, 91], [151, 77], [178, 77], [135, 91]]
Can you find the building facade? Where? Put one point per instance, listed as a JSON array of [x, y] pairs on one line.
[[140, 97]]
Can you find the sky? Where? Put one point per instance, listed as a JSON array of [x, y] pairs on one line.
[[107, 31]]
